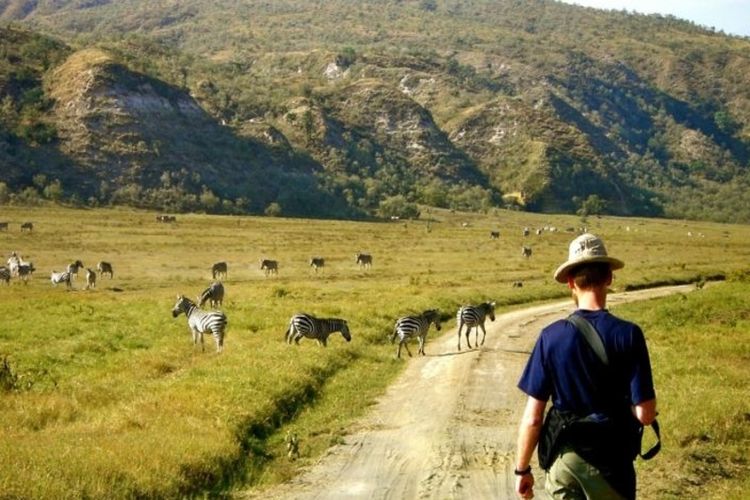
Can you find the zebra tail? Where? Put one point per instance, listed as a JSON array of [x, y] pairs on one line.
[[288, 331]]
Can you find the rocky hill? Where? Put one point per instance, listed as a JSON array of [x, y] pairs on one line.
[[337, 107]]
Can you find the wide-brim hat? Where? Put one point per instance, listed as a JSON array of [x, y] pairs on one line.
[[586, 249]]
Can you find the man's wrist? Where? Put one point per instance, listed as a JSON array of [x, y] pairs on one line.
[[522, 472]]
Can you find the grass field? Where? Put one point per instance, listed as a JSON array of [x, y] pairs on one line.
[[104, 395]]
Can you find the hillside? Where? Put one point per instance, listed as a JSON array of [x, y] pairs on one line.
[[469, 104]]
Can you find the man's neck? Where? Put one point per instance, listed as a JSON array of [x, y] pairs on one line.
[[592, 300]]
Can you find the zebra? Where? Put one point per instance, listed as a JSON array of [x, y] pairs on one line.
[[27, 226], [474, 317], [5, 275], [25, 270], [269, 266], [494, 235], [526, 231], [64, 277], [526, 251], [306, 325], [214, 294], [363, 259], [219, 270], [3, 226], [317, 262], [105, 268], [166, 218], [409, 327], [201, 322], [74, 267], [90, 278], [13, 262]]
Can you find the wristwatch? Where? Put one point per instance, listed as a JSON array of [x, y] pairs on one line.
[[523, 472]]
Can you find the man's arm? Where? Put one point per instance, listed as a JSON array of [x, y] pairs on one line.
[[645, 412], [528, 437]]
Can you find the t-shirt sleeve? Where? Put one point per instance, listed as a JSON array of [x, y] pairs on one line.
[[534, 380], [641, 382]]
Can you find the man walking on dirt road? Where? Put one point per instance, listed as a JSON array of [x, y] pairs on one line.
[[600, 383]]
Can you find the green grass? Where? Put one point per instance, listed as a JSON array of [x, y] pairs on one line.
[[701, 359], [112, 400]]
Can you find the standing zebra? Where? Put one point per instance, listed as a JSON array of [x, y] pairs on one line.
[[219, 270], [474, 317], [57, 278], [74, 267], [214, 294], [305, 325], [105, 268], [90, 278], [25, 270], [363, 259], [269, 266], [201, 321], [5, 275], [409, 327], [317, 262]]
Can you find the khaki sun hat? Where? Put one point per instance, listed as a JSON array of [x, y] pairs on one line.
[[585, 249]]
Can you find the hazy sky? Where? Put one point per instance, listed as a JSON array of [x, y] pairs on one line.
[[732, 16]]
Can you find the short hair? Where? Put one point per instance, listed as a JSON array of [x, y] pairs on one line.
[[591, 275]]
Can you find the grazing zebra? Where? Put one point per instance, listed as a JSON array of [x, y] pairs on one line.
[[5, 275], [526, 251], [526, 231], [201, 322], [363, 259], [269, 266], [57, 278], [409, 327], [27, 226], [105, 268], [3, 226], [214, 294], [317, 262], [74, 267], [90, 278], [13, 262], [166, 218], [518, 284], [494, 235], [474, 317], [25, 270], [305, 325], [219, 270]]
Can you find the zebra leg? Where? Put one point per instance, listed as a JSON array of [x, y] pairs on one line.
[[406, 346], [468, 340], [297, 337], [421, 345], [461, 325], [398, 351], [484, 333]]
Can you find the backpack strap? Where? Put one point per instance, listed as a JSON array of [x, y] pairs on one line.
[[656, 447], [591, 336]]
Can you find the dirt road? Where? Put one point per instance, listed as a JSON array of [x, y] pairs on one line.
[[447, 427]]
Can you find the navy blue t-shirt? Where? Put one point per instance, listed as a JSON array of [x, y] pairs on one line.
[[564, 367]]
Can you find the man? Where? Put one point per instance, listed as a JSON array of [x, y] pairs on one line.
[[566, 368]]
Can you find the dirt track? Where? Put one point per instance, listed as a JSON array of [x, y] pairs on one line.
[[447, 427]]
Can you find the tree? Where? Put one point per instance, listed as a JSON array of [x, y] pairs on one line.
[[273, 210], [593, 205], [397, 206]]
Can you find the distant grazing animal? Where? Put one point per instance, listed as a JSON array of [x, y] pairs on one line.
[[409, 327], [474, 317], [518, 284], [5, 275], [105, 268], [526, 231], [90, 278], [3, 226], [317, 262], [27, 226], [269, 266], [74, 267], [219, 270], [57, 278], [538, 232], [166, 218], [201, 322], [25, 270], [13, 262], [305, 325], [526, 251], [494, 235], [214, 294], [363, 259]]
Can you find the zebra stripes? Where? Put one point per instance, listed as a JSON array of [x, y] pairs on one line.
[[317, 262], [214, 294], [306, 325], [363, 259], [409, 327], [474, 317], [219, 270], [105, 268], [201, 322], [269, 266], [74, 267], [5, 275], [90, 278], [57, 278]]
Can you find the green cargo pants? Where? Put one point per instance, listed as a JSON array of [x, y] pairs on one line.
[[572, 478]]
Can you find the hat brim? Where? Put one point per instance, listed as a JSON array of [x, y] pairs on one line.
[[561, 274]]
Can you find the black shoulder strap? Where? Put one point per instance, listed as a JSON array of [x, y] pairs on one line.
[[591, 336], [656, 447]]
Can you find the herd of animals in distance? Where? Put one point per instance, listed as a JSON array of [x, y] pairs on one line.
[[214, 322]]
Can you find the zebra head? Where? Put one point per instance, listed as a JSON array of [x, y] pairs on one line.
[[490, 310], [183, 305], [345, 331], [433, 316]]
